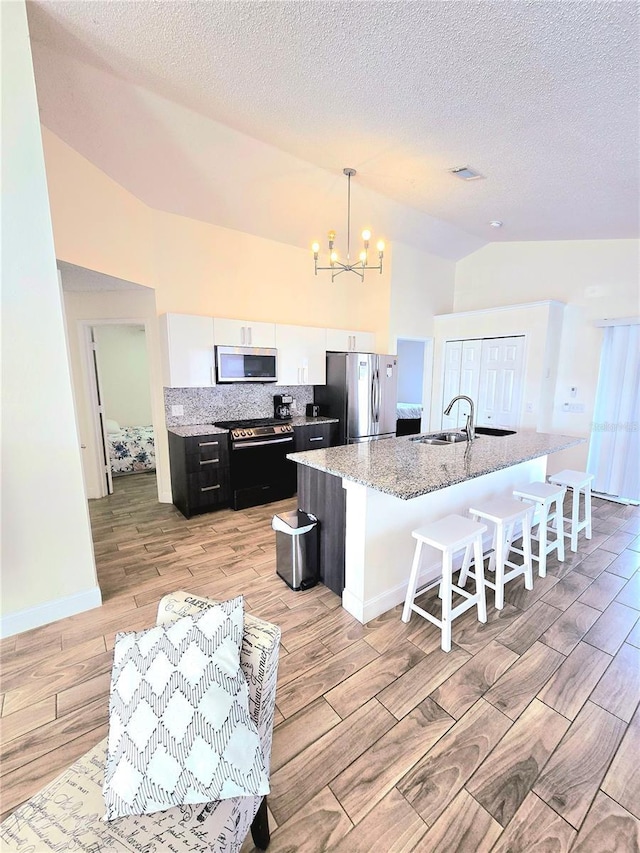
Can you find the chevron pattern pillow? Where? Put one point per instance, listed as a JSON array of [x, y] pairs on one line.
[[179, 725]]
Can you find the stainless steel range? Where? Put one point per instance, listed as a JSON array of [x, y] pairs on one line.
[[260, 472]]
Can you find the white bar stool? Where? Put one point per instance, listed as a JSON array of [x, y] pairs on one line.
[[449, 535], [504, 514], [578, 481], [542, 496]]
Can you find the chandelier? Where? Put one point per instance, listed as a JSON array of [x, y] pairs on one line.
[[336, 266]]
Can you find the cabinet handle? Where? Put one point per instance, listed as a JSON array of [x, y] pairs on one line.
[[242, 335], [207, 443], [209, 461], [250, 335], [317, 438], [209, 488]]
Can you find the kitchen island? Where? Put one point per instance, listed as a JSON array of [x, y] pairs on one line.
[[369, 497]]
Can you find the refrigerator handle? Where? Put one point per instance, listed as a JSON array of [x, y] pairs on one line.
[[378, 396], [373, 396]]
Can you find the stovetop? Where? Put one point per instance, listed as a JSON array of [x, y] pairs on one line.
[[255, 428]]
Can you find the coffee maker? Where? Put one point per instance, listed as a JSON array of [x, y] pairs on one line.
[[282, 406]]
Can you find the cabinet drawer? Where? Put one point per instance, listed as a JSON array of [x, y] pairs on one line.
[[206, 448], [208, 460], [313, 437], [208, 487]]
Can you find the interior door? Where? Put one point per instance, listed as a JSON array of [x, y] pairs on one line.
[[451, 386], [105, 463], [501, 378]]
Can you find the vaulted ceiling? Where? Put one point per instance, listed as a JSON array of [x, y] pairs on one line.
[[541, 98]]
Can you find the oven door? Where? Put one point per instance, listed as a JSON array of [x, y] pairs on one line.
[[246, 364], [260, 471]]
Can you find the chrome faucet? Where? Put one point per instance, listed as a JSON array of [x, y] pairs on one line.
[[470, 425]]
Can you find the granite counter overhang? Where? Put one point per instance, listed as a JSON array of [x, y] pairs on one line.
[[407, 469], [209, 429]]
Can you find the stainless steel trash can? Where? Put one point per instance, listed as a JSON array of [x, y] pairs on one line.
[[296, 548]]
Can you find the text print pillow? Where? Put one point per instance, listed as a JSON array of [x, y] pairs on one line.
[[179, 724]]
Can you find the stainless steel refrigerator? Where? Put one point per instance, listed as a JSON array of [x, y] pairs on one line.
[[361, 391]]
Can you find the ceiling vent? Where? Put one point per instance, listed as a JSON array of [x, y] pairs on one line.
[[466, 173]]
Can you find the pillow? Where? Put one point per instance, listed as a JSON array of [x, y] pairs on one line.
[[179, 725], [111, 426]]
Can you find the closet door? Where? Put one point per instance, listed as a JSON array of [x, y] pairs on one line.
[[500, 394], [470, 371], [451, 386]]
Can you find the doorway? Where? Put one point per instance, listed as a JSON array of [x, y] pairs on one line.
[[120, 395], [415, 369]]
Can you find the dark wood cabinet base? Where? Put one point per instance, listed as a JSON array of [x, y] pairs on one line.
[[322, 495]]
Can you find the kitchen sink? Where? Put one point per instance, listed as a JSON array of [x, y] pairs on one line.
[[494, 431], [440, 438]]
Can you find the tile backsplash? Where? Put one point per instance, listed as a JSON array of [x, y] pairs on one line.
[[228, 402]]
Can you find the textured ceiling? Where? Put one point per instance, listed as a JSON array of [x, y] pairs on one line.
[[542, 98]]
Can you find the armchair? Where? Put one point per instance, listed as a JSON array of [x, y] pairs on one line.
[[67, 813]]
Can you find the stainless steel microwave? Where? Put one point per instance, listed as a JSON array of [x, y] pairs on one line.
[[246, 364]]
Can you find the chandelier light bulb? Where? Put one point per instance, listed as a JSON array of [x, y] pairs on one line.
[[363, 257], [366, 235], [315, 248], [334, 257], [380, 246], [332, 236]]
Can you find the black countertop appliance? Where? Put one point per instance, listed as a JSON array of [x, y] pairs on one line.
[[282, 406]]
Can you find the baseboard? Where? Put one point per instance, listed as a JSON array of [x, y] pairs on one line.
[[614, 499], [165, 498], [51, 611], [365, 611]]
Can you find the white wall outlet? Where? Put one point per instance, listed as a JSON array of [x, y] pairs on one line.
[[573, 408], [529, 406], [177, 411], [573, 391]]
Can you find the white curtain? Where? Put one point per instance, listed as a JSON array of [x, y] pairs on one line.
[[614, 449]]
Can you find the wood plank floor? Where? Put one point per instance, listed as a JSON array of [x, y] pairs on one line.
[[524, 737]]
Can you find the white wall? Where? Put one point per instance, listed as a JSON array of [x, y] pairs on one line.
[[595, 278], [422, 285], [104, 308], [124, 373], [48, 569]]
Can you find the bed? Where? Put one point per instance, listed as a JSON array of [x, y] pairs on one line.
[[408, 418], [131, 449]]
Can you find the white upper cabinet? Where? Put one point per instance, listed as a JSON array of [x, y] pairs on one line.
[[343, 340], [243, 333], [187, 351], [301, 355]]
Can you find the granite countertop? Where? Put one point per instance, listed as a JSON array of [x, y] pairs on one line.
[[197, 429], [407, 469], [209, 429], [302, 420]]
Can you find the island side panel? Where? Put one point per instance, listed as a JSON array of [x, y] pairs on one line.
[[379, 545], [322, 495]]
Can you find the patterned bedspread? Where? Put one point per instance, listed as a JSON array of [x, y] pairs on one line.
[[131, 449]]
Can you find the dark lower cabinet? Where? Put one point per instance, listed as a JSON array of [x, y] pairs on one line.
[[199, 472], [313, 436], [322, 495]]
